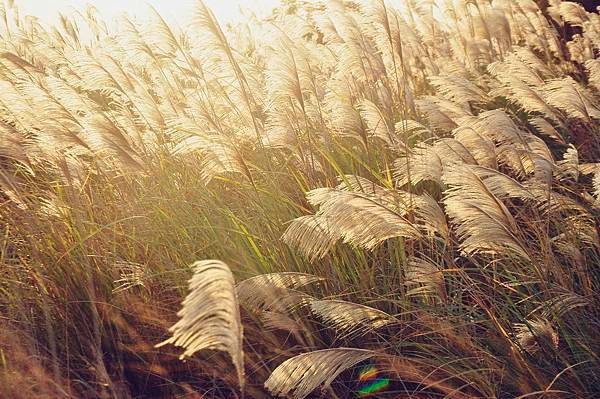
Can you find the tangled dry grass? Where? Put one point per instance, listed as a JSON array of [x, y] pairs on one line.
[[410, 187]]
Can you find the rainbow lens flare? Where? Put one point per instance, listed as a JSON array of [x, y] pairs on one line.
[[367, 373], [373, 383]]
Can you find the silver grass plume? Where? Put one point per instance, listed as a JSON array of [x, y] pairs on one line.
[[348, 318], [424, 277], [427, 161], [275, 291], [210, 316], [593, 69], [313, 235], [298, 376], [481, 220], [596, 185], [568, 167], [571, 97], [534, 335], [362, 218]]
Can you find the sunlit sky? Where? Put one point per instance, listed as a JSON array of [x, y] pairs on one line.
[[173, 10]]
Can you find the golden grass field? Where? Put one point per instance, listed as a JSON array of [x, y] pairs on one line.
[[348, 198]]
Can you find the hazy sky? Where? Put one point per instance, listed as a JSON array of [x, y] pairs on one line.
[[175, 10]]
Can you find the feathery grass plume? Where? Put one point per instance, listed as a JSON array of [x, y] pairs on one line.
[[340, 111], [572, 13], [300, 375], [131, 275], [141, 53], [276, 291], [348, 318], [205, 20], [360, 184], [279, 280], [593, 69], [210, 316], [412, 131], [555, 201], [294, 93], [427, 162], [9, 188], [28, 101], [567, 246], [536, 335], [545, 128], [281, 300], [580, 49], [426, 276], [481, 220], [538, 31], [568, 215], [596, 184], [104, 136], [398, 41], [522, 151], [95, 75], [430, 216], [502, 185], [160, 35], [536, 64], [458, 89], [561, 304], [522, 87], [571, 97], [376, 123], [568, 167], [531, 73], [359, 59], [441, 114], [280, 321], [526, 164], [482, 148], [498, 126], [363, 219], [588, 168], [13, 145], [290, 75], [219, 156], [313, 235]]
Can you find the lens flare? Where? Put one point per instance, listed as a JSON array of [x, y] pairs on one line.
[[369, 375], [377, 385]]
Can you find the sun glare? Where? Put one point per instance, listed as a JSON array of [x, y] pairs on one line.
[[174, 11]]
